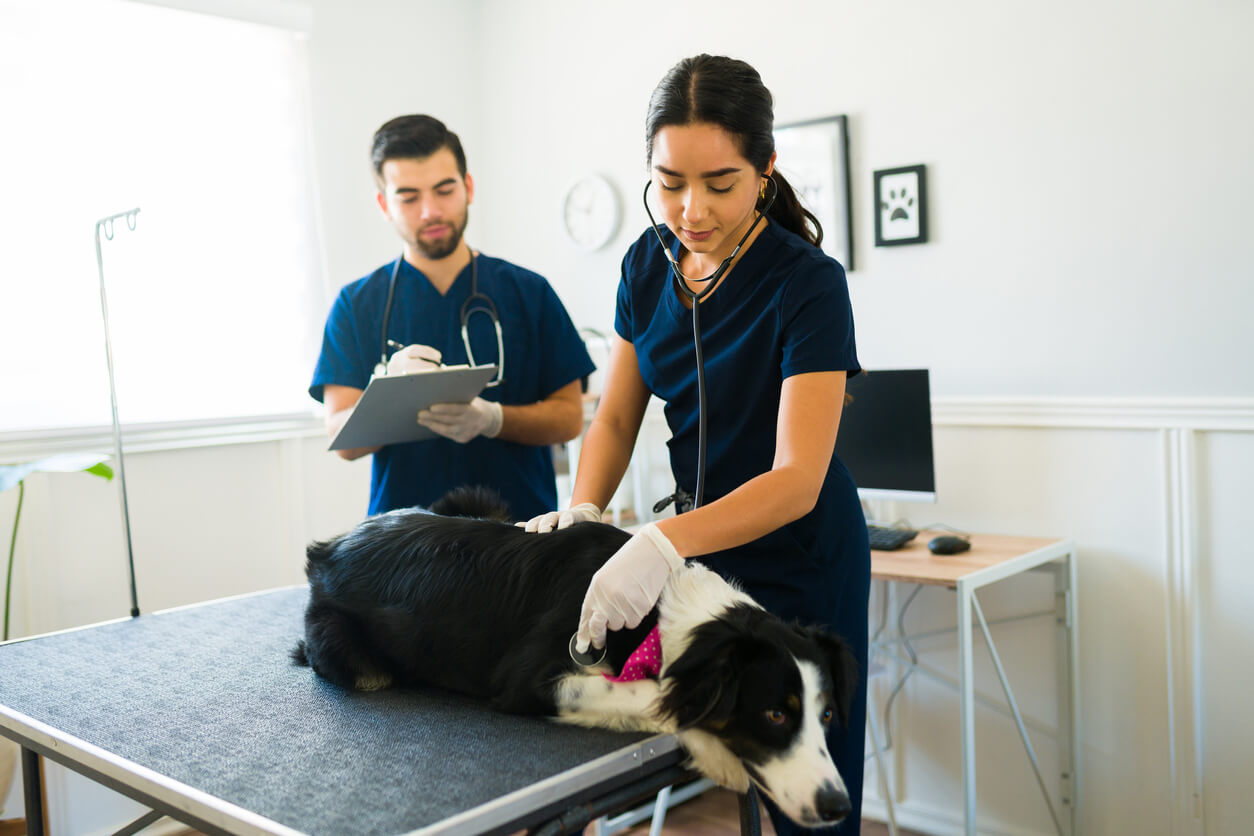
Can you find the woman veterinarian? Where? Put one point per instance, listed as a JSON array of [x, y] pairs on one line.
[[780, 514]]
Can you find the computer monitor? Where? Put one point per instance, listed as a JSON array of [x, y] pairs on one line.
[[885, 436]]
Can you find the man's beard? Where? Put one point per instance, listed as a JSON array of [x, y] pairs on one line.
[[442, 247]]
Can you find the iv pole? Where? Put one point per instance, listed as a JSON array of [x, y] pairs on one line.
[[105, 225]]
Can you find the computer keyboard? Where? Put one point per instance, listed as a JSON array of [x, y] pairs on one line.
[[886, 539]]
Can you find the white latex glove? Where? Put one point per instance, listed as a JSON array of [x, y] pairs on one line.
[[624, 590], [553, 520], [414, 358], [463, 421]]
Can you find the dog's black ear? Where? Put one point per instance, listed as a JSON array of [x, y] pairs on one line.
[[842, 665], [320, 550], [703, 683], [476, 501]]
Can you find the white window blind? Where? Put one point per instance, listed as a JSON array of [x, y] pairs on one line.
[[215, 299]]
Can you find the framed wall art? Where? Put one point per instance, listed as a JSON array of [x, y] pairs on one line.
[[900, 206], [814, 158]]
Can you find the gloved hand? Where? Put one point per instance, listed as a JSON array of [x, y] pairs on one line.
[[463, 421], [414, 358], [624, 590], [553, 520]]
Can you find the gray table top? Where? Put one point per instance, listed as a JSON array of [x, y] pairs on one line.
[[200, 711]]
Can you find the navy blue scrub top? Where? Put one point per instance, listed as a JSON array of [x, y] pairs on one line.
[[783, 310], [543, 353]]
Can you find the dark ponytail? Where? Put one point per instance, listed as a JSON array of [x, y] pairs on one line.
[[716, 90], [788, 212]]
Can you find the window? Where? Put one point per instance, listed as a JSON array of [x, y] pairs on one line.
[[215, 299]]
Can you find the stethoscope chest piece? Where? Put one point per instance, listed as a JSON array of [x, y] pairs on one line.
[[586, 660]]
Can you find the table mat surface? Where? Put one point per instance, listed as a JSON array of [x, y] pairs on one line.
[[209, 696]]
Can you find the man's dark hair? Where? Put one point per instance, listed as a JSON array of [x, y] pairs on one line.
[[413, 137]]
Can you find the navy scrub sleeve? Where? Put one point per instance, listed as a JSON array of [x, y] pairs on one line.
[[783, 310], [543, 353]]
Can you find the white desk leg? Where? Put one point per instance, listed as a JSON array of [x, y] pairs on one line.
[[1068, 689], [966, 675]]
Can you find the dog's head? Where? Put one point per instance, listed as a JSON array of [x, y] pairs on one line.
[[751, 687]]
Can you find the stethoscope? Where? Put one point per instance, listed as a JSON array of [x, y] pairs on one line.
[[476, 303], [681, 281]]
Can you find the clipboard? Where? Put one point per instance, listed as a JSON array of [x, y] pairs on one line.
[[387, 412]]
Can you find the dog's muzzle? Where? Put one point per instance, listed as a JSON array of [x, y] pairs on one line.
[[831, 803]]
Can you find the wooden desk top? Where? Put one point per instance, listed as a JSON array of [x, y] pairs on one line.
[[913, 563]]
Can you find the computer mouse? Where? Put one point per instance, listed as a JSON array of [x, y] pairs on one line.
[[948, 544]]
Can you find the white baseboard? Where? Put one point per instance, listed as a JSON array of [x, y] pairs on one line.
[[936, 821]]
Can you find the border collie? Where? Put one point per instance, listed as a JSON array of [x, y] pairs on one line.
[[473, 604]]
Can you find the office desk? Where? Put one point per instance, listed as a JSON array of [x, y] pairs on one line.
[[993, 558], [199, 714]]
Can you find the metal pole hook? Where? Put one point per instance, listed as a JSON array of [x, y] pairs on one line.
[[105, 225]]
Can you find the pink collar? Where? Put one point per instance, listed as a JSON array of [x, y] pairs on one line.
[[645, 662]]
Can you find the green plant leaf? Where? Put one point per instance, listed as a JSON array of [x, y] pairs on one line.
[[101, 469], [95, 463]]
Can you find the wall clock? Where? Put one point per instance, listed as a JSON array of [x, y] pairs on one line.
[[590, 213]]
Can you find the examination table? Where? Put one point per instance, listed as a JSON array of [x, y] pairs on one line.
[[200, 714]]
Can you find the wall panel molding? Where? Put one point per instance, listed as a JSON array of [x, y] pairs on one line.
[[1180, 422], [1204, 414], [1184, 655]]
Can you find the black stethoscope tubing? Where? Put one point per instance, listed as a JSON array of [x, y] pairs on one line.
[[710, 281], [475, 303], [590, 658]]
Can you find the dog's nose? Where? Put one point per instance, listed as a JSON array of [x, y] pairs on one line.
[[831, 803]]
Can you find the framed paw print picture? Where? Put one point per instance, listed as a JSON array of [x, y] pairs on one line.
[[901, 206]]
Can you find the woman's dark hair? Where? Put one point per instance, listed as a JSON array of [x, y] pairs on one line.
[[716, 90], [413, 137]]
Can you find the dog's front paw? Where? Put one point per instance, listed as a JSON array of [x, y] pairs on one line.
[[711, 757], [593, 701], [376, 682]]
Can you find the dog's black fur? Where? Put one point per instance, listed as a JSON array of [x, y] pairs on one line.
[[478, 606], [468, 602]]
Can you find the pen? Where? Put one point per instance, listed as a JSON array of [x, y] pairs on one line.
[[394, 344]]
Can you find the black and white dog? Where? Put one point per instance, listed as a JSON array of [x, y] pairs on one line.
[[473, 604]]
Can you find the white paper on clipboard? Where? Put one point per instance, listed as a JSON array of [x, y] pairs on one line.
[[387, 412]]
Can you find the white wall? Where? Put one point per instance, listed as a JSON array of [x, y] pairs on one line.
[[1088, 174], [371, 61], [1088, 170]]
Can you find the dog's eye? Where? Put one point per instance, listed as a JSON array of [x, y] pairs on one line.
[[775, 717], [827, 717]]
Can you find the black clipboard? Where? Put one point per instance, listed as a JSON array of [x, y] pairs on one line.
[[387, 412]]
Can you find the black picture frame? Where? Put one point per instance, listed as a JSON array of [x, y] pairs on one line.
[[814, 159], [900, 205]]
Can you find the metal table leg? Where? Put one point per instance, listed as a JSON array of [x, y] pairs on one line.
[[750, 817], [33, 788], [966, 677], [1068, 689]]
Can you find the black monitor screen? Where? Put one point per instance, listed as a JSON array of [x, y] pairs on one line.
[[885, 436]]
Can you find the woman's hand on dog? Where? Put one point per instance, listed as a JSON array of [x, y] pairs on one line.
[[553, 520], [624, 590]]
